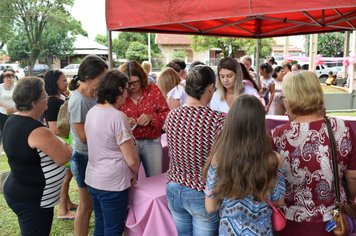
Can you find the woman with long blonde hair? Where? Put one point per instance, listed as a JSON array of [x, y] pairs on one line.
[[172, 87], [241, 172]]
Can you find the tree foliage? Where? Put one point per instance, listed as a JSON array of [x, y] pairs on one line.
[[18, 49], [124, 39], [329, 44], [265, 45], [180, 54], [7, 18], [33, 16], [137, 51]]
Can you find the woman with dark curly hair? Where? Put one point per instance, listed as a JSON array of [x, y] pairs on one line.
[[55, 85], [113, 161]]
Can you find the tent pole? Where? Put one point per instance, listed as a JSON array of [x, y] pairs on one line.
[[110, 49], [352, 74], [257, 60], [346, 52], [313, 50], [149, 47]]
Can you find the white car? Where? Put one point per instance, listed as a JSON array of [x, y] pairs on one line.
[[71, 70], [340, 70], [321, 71], [19, 73]]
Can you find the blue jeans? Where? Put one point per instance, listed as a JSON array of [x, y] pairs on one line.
[[78, 166], [110, 211], [151, 155], [188, 210]]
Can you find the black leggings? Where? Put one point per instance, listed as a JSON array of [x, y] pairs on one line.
[[34, 221], [3, 119]]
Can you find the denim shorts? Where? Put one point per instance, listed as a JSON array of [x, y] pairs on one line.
[[78, 166]]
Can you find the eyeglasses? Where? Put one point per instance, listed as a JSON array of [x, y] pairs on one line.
[[45, 97], [134, 83], [282, 98], [128, 89]]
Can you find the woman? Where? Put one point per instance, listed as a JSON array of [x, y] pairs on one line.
[[267, 91], [247, 62], [147, 109], [230, 84], [7, 105], [277, 106], [36, 158], [146, 65], [190, 130], [55, 85], [305, 148], [91, 69], [113, 161], [241, 171], [172, 88]]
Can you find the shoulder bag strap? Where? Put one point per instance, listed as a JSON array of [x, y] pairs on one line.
[[334, 159]]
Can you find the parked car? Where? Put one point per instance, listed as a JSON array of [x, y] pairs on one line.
[[37, 69], [322, 71], [71, 70], [19, 73]]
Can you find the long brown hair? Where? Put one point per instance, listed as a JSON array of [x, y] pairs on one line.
[[246, 162]]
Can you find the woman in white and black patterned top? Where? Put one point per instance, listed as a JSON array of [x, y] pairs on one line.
[[36, 158]]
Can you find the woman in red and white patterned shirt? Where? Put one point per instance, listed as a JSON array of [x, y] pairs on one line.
[[146, 109]]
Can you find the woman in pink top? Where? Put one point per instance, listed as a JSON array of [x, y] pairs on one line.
[[113, 161]]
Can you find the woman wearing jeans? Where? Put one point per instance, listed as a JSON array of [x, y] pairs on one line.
[[191, 130], [113, 161], [147, 109], [91, 69]]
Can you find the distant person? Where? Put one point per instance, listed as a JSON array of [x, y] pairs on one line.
[[112, 161], [174, 66], [296, 67], [270, 60], [182, 65], [195, 63], [329, 79], [91, 70], [287, 66], [7, 104], [247, 62], [267, 91], [55, 85], [334, 81], [277, 106], [3, 73], [36, 158], [146, 65], [104, 59]]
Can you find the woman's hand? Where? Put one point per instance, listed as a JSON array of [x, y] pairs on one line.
[[8, 111], [132, 121], [133, 181], [144, 119], [65, 144]]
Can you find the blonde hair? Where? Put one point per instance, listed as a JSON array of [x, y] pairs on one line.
[[146, 65], [167, 80], [230, 64], [303, 92], [246, 57]]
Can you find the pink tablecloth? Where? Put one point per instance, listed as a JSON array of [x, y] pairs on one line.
[[148, 209]]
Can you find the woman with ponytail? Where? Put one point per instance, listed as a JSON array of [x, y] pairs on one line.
[[83, 85]]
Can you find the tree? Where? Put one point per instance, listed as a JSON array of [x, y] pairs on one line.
[[18, 49], [228, 46], [33, 18], [265, 46], [6, 22], [137, 51], [124, 39], [329, 44], [180, 54]]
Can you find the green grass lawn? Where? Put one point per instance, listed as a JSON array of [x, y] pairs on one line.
[[8, 220]]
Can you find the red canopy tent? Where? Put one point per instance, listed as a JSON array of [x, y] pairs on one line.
[[234, 18]]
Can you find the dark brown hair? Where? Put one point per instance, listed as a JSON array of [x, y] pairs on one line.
[[90, 68], [247, 76], [133, 68], [28, 89], [246, 162], [108, 89], [198, 81]]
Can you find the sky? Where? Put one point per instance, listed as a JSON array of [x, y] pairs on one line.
[[92, 15]]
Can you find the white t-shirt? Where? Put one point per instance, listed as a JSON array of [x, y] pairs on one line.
[[178, 92], [6, 97], [221, 105]]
